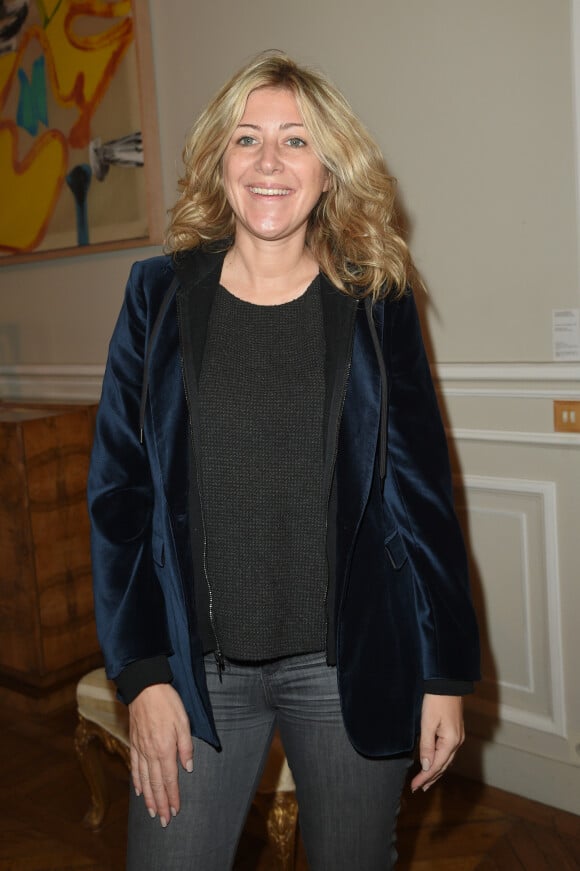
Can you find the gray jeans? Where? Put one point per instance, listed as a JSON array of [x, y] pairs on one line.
[[348, 804]]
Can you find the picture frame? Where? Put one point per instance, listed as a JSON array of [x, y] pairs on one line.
[[79, 147]]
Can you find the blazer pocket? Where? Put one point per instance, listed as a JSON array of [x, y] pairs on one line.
[[158, 548], [396, 550]]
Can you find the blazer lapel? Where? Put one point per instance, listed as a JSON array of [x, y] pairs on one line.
[[198, 274], [339, 313], [358, 437]]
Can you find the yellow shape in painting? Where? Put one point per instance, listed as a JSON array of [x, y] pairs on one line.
[[82, 66], [29, 187]]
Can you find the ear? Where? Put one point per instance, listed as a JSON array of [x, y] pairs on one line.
[[326, 185]]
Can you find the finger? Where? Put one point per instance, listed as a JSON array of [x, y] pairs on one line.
[[437, 776], [428, 741], [419, 781], [162, 804], [158, 782], [170, 783], [442, 759], [156, 790], [135, 771], [185, 749], [147, 791], [427, 751], [425, 779]]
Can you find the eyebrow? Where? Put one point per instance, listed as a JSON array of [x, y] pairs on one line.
[[285, 126]]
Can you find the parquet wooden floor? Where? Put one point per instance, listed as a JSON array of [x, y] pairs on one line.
[[461, 826]]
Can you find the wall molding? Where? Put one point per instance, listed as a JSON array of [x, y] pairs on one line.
[[62, 382], [546, 491], [83, 382], [517, 769], [558, 439], [19, 379], [511, 392], [519, 372]]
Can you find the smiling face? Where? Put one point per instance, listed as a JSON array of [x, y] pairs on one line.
[[272, 176]]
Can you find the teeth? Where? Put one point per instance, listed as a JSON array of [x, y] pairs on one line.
[[270, 192]]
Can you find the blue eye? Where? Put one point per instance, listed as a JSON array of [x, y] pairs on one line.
[[246, 140], [296, 142]]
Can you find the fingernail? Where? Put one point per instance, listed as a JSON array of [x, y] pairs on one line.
[[151, 813], [425, 788], [425, 764], [173, 812], [137, 792], [163, 822], [189, 765]]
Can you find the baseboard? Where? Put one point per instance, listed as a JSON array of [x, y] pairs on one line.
[[549, 781]]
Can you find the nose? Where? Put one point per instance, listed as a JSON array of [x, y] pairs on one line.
[[269, 159]]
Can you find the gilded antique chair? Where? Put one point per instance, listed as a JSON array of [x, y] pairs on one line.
[[103, 722]]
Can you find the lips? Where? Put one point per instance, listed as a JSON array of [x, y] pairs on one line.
[[269, 192]]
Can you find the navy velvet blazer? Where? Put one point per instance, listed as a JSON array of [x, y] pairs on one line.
[[400, 621]]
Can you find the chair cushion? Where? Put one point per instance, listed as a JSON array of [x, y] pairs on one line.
[[97, 701], [277, 776]]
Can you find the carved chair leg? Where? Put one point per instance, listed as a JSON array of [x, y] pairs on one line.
[[88, 753], [281, 814], [89, 739]]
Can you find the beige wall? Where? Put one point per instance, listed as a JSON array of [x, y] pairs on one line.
[[473, 103]]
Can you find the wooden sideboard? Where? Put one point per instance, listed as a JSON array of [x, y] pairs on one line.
[[47, 630]]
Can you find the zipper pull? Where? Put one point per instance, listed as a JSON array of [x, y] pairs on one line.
[[221, 665]]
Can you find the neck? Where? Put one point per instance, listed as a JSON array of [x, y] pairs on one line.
[[268, 273]]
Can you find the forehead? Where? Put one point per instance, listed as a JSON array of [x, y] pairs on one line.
[[271, 104]]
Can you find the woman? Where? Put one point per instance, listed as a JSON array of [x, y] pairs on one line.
[[274, 541]]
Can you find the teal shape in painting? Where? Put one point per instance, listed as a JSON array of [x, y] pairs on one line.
[[32, 108]]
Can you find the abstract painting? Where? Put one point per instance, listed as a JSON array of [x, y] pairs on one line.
[[79, 161]]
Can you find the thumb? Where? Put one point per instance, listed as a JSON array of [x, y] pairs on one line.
[[427, 750]]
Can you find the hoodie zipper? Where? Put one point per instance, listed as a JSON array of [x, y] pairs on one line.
[[333, 463]]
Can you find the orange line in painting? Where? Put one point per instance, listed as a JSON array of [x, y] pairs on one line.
[[121, 33], [80, 133]]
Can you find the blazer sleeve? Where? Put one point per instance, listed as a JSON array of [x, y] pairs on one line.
[[129, 604], [418, 494]]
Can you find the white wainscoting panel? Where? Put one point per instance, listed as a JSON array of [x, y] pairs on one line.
[[518, 495], [512, 527]]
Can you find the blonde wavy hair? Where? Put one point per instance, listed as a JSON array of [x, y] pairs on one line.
[[351, 229]]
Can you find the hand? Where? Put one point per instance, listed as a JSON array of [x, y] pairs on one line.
[[159, 733], [442, 733]]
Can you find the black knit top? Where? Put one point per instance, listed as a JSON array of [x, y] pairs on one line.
[[261, 395]]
